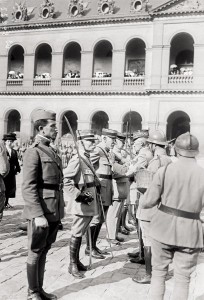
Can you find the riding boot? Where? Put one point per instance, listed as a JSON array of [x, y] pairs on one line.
[[140, 258], [75, 243], [33, 282], [123, 220], [94, 235], [80, 266], [146, 279]]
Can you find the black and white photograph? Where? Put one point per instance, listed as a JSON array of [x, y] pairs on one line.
[[102, 149]]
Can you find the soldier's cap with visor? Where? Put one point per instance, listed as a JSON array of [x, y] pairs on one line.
[[109, 132], [85, 135], [9, 137], [187, 145], [121, 136], [42, 114], [144, 133]]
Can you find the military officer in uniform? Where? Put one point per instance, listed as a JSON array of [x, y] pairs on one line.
[[120, 188], [103, 166], [44, 203], [80, 186], [176, 230]]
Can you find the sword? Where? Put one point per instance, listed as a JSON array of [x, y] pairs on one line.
[[81, 167]]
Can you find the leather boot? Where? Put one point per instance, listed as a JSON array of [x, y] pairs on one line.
[[33, 296], [80, 266], [147, 278], [46, 296], [95, 238], [33, 279], [75, 243], [94, 235], [123, 220]]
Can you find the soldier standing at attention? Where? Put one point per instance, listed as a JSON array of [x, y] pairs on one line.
[[44, 203], [81, 185], [176, 229], [103, 166]]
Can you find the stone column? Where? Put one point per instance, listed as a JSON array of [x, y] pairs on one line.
[[198, 69], [197, 129], [3, 129], [115, 126], [148, 67], [86, 69], [153, 114], [29, 66], [118, 68], [25, 129], [4, 71], [57, 66], [83, 124], [165, 66]]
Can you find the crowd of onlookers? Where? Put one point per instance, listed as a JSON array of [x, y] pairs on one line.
[[15, 75], [72, 74], [181, 71], [129, 73]]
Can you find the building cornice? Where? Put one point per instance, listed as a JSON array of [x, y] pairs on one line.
[[103, 93]]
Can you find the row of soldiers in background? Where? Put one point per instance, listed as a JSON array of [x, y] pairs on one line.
[[97, 181]]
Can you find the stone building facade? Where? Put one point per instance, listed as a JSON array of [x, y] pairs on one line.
[[103, 63]]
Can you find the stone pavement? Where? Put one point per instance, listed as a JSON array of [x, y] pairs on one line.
[[109, 279]]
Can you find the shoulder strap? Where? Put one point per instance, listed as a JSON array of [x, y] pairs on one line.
[[163, 179], [51, 156], [104, 153], [89, 165]]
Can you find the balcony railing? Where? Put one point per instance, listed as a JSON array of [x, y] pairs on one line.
[[70, 81], [42, 82], [14, 82], [101, 81], [140, 80], [183, 79]]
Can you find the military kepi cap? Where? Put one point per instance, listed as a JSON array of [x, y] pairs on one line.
[[42, 114], [85, 135], [121, 136], [109, 132], [140, 134]]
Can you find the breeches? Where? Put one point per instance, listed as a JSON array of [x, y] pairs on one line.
[[113, 217], [80, 225], [184, 260]]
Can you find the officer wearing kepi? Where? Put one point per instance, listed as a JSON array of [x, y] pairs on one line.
[[81, 186], [44, 203], [176, 229]]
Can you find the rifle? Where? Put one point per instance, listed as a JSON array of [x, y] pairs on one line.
[[130, 125]]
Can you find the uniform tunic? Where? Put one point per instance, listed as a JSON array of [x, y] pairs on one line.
[[39, 169], [74, 184]]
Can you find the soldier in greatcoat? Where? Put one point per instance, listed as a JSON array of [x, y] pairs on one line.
[[157, 143], [103, 166], [44, 202], [80, 186], [176, 230]]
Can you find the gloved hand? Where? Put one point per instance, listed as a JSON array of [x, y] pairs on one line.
[[85, 198]]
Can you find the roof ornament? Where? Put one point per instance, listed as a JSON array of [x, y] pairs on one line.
[[106, 7], [3, 15], [21, 12], [77, 8], [47, 9], [140, 5]]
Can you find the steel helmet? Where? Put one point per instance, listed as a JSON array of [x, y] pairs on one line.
[[187, 145], [157, 137], [140, 134]]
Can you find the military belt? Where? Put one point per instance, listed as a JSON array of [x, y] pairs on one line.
[[88, 185], [179, 213], [55, 187], [104, 176]]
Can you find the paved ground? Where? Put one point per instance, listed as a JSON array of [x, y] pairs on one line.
[[109, 279]]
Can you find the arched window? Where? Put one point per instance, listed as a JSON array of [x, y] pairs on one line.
[[73, 120], [178, 123], [43, 62], [135, 58], [99, 121], [102, 65], [14, 121], [72, 61], [16, 63], [132, 121]]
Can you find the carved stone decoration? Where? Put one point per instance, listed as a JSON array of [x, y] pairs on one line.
[[181, 6], [77, 8], [136, 6], [3, 15], [106, 7], [47, 10], [21, 12]]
